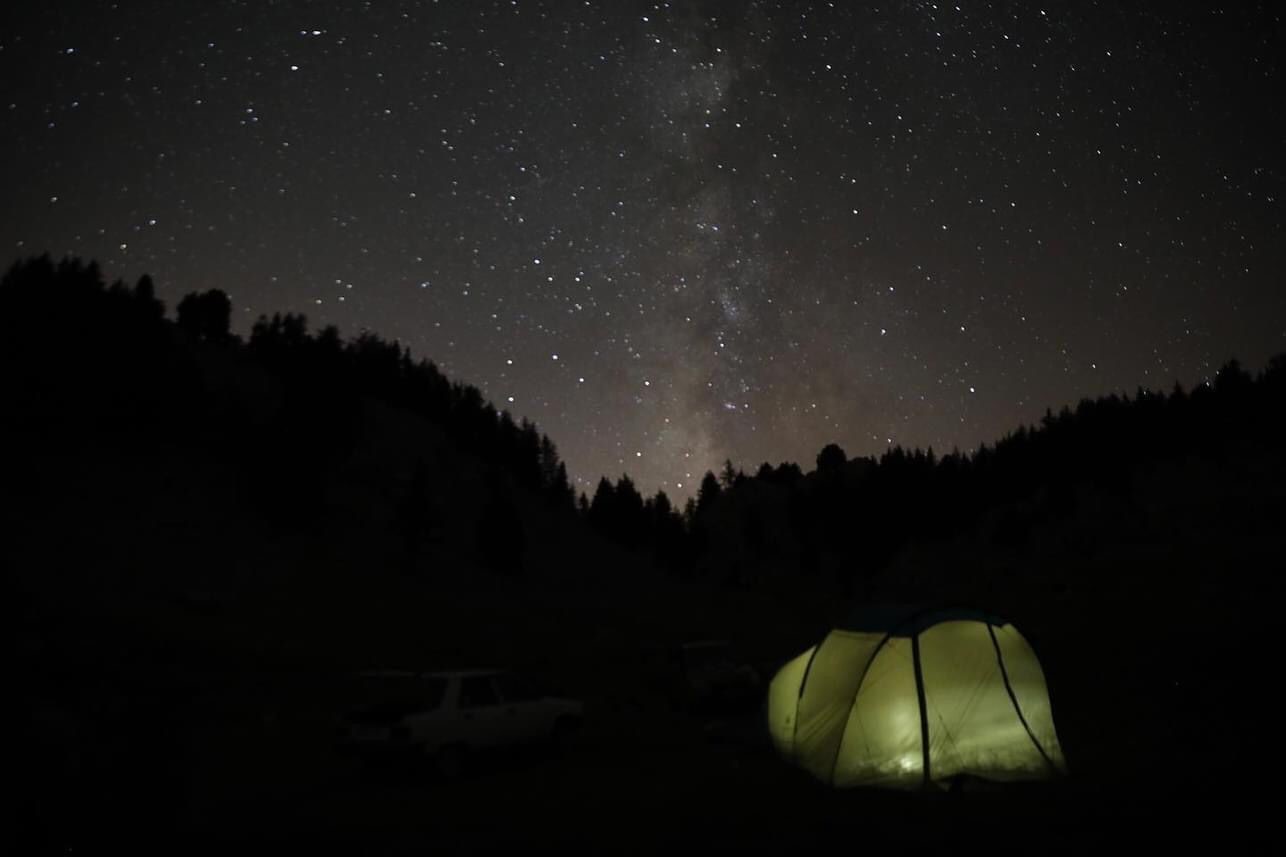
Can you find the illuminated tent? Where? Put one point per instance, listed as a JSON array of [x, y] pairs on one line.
[[905, 697]]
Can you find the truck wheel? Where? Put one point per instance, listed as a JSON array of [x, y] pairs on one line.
[[451, 761], [564, 734]]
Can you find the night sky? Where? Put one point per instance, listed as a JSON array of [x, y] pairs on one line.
[[672, 234]]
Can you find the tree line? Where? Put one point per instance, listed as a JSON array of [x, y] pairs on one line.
[[851, 516], [79, 350], [110, 356]]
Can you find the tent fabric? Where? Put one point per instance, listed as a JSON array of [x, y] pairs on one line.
[[916, 697]]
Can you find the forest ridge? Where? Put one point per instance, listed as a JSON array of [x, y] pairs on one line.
[[75, 346]]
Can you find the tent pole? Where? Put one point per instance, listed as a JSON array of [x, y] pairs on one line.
[[852, 702], [1013, 698], [799, 698], [924, 709]]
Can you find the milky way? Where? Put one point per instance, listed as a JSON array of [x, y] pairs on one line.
[[674, 234]]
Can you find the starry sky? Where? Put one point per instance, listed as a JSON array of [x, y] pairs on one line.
[[677, 233]]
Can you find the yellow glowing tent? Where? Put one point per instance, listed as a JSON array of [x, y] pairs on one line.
[[904, 697]]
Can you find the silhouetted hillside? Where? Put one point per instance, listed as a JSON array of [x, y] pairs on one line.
[[1137, 538], [204, 531], [274, 432], [847, 520]]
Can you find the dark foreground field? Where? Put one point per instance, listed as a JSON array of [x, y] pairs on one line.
[[656, 794], [197, 730], [254, 769]]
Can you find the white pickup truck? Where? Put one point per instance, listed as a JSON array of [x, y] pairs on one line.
[[447, 716]]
